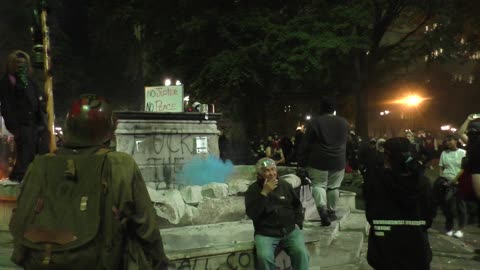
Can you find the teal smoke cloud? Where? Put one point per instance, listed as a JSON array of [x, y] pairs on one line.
[[201, 171]]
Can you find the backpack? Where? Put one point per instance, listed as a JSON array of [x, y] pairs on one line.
[[61, 215]]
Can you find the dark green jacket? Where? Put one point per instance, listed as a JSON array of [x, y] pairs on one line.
[[129, 223], [276, 214], [130, 197]]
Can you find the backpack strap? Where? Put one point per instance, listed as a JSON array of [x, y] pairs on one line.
[[107, 209], [103, 151]]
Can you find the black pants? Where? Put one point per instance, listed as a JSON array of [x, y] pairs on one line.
[[454, 207], [28, 142]]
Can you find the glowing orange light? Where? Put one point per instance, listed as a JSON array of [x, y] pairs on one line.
[[413, 100], [410, 100]]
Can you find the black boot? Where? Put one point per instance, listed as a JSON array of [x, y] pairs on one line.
[[332, 216], [325, 220]]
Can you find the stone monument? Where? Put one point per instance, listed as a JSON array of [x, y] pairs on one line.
[[161, 143]]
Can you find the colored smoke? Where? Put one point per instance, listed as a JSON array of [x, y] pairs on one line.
[[201, 171]]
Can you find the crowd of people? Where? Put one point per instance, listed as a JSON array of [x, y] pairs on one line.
[[282, 149], [86, 177], [448, 153], [401, 202]]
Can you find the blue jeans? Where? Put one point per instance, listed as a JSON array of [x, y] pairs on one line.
[[293, 244]]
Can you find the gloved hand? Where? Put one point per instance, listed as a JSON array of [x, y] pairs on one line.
[[302, 173]]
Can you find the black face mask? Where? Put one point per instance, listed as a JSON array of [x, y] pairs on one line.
[[22, 75]]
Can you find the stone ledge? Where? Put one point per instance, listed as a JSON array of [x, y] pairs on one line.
[[227, 237], [8, 198], [136, 115], [347, 200], [355, 222]]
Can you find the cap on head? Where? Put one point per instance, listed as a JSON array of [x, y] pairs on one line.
[[264, 163], [398, 149], [89, 122]]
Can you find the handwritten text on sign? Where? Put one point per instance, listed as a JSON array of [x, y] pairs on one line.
[[164, 98]]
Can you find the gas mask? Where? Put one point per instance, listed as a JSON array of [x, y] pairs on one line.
[[22, 75]]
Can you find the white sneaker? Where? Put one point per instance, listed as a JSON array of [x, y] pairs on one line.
[[458, 234], [449, 233]]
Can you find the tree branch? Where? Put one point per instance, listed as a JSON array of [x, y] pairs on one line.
[[407, 35], [382, 23]]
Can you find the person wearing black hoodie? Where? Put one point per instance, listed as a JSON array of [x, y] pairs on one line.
[[23, 107], [399, 210]]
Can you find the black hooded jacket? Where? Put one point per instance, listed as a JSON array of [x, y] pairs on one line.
[[399, 210], [22, 107], [276, 214]]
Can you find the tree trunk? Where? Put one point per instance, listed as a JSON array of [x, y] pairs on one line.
[[361, 119], [361, 97]]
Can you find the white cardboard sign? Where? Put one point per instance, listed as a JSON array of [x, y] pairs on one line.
[[164, 98]]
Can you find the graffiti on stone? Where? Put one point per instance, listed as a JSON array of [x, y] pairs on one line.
[[160, 152], [162, 148], [163, 169], [169, 143], [233, 261]]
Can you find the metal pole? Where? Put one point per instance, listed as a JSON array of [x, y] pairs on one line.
[[48, 76]]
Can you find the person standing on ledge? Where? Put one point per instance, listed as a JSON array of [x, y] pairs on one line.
[[23, 107], [323, 152]]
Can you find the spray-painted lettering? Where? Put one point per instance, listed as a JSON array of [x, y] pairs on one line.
[[233, 261]]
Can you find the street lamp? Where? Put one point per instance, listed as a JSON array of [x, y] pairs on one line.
[[168, 82], [384, 124], [384, 112], [412, 100], [445, 127]]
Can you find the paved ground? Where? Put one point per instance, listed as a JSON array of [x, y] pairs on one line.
[[6, 251], [453, 253]]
